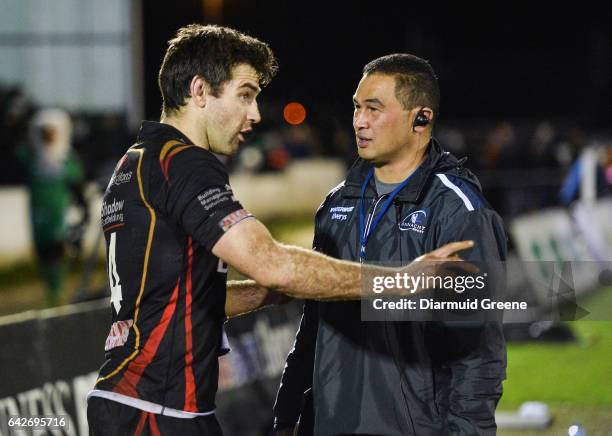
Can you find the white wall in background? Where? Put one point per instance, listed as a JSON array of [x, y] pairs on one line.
[[298, 190], [77, 54]]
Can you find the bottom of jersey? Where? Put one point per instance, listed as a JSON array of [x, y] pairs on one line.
[[183, 386], [147, 406]]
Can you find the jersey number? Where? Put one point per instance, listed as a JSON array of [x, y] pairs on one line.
[[113, 276]]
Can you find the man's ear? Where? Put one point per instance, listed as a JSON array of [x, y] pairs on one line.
[[198, 91], [421, 119]]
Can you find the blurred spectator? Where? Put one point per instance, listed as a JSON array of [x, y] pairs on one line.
[[344, 145], [543, 145], [607, 159], [301, 141], [54, 177], [501, 149], [105, 138], [587, 178], [453, 141], [15, 114], [544, 153], [500, 152]]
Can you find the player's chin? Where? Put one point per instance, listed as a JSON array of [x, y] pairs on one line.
[[366, 153], [234, 146], [231, 147]]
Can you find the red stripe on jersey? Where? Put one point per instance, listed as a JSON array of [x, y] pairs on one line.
[[153, 425], [190, 387], [131, 376], [114, 226], [165, 164], [141, 423]]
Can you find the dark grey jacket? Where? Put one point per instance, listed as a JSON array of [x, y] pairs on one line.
[[399, 378]]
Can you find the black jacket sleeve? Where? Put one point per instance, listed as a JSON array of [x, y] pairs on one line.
[[476, 351], [297, 375]]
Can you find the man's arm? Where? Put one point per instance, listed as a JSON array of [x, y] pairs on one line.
[[300, 273], [245, 296], [197, 196]]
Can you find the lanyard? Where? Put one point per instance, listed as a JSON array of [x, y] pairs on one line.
[[364, 234]]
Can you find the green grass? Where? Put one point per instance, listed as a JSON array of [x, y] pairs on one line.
[[578, 373], [26, 272], [17, 274], [574, 379]]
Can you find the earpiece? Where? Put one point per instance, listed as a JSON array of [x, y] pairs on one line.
[[420, 120]]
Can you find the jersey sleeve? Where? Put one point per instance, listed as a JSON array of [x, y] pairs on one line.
[[199, 197]]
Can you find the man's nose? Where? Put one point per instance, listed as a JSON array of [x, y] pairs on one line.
[[254, 115], [359, 121]]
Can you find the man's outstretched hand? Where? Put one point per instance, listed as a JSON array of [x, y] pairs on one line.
[[447, 252], [442, 262]]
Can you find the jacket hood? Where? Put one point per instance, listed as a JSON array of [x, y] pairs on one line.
[[437, 161]]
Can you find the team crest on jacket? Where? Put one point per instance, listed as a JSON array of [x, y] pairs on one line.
[[415, 221]]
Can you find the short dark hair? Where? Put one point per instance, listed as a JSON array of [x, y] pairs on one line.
[[416, 84], [209, 51]]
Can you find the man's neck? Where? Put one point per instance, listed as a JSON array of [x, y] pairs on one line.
[[186, 127], [398, 170]]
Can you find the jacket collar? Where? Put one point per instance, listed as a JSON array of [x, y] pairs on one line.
[[437, 160]]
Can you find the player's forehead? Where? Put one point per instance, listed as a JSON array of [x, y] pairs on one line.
[[244, 76]]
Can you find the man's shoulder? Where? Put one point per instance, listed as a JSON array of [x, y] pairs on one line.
[[456, 195], [334, 193], [164, 149], [335, 190], [174, 158]]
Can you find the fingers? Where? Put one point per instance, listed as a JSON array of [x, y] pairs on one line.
[[452, 248]]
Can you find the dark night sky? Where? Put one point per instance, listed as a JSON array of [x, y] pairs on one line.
[[498, 61]]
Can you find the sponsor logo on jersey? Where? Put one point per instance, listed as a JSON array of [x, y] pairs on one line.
[[112, 213], [340, 213], [118, 334], [415, 222], [215, 196], [120, 178]]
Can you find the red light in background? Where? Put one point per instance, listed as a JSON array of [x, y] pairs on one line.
[[294, 113]]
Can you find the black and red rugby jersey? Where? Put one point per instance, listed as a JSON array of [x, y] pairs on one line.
[[166, 205]]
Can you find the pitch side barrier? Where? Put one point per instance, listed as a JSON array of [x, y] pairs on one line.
[[581, 235], [50, 361]]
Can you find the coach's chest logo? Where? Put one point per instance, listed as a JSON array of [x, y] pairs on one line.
[[340, 213], [415, 221]]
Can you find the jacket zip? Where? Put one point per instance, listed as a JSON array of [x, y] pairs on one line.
[[397, 359], [398, 216], [369, 222]]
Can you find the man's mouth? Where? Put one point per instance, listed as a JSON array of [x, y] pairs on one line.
[[243, 134], [363, 142]]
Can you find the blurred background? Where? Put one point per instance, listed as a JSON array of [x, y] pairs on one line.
[[526, 96]]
